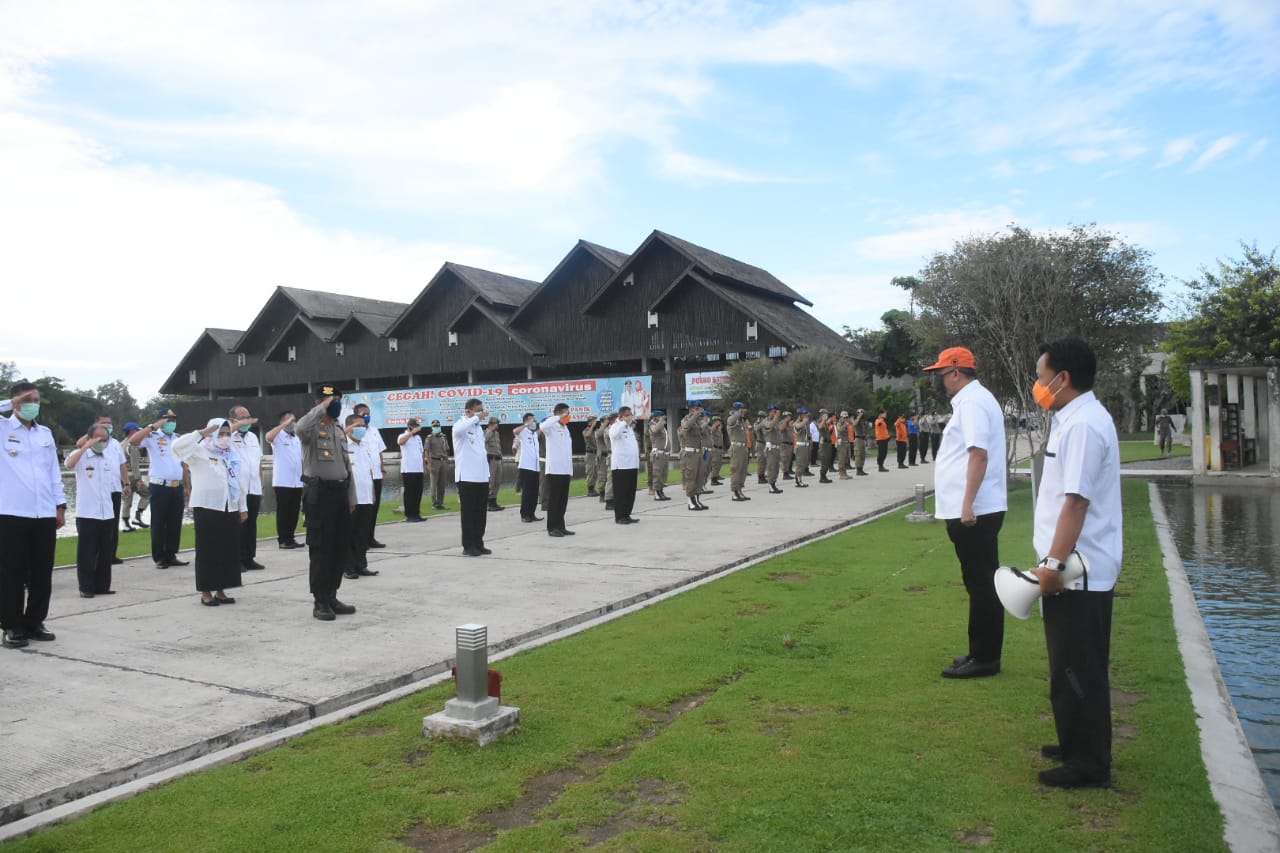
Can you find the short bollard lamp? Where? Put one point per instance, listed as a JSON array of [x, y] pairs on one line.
[[920, 513], [473, 713]]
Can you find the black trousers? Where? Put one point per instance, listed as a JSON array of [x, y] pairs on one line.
[[94, 546], [167, 504], [935, 441], [978, 549], [372, 522], [558, 499], [624, 491], [360, 528], [827, 454], [1077, 632], [473, 499], [116, 499], [902, 452], [913, 448], [882, 451], [288, 502], [249, 529], [26, 570], [328, 538], [924, 446], [528, 482], [412, 495]]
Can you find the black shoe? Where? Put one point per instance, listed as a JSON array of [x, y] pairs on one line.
[[902, 466], [252, 566], [911, 464], [800, 485], [860, 473], [473, 552], [959, 659], [289, 546], [414, 519], [532, 518], [762, 481], [41, 633], [86, 595], [774, 490], [825, 480], [437, 506], [323, 611], [128, 528], [374, 543], [1067, 776], [484, 550], [341, 609], [693, 506], [707, 492], [351, 576], [163, 564], [1052, 750], [116, 561], [633, 519], [174, 561], [788, 476], [555, 533], [366, 572], [972, 669], [715, 481], [105, 592], [622, 521], [15, 638], [224, 599], [138, 522], [567, 532], [884, 470], [208, 602], [592, 493]]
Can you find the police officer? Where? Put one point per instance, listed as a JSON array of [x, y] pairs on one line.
[[826, 447], [32, 508], [169, 483], [659, 442], [762, 455], [286, 478], [438, 455], [787, 447], [691, 451], [329, 494], [717, 450], [589, 454], [604, 450], [411, 459], [844, 444], [861, 437], [803, 443], [247, 445], [739, 429], [137, 486], [493, 452], [772, 437], [704, 463]]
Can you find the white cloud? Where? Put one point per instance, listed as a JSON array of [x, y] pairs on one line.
[[1176, 150], [1215, 151], [921, 236]]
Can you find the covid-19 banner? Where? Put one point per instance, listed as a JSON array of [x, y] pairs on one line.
[[508, 402], [706, 385]]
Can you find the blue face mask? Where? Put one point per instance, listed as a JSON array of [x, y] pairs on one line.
[[367, 419], [29, 411], [358, 432]]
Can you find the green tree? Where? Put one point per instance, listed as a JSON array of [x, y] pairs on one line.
[[1002, 295], [813, 378], [1231, 316], [8, 375], [65, 411], [117, 400]]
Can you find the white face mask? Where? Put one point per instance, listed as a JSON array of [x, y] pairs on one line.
[[224, 442]]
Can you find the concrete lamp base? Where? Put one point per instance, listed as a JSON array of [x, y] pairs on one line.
[[483, 731]]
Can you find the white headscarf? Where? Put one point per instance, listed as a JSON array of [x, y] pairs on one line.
[[228, 457]]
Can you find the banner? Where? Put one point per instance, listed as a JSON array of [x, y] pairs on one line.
[[706, 385], [508, 402]]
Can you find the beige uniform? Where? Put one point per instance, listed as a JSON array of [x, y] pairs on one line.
[[772, 434], [437, 453], [787, 450], [658, 453], [704, 466], [690, 453], [761, 457], [133, 459], [604, 461], [803, 446], [843, 447], [589, 458], [736, 426], [717, 453], [493, 450]]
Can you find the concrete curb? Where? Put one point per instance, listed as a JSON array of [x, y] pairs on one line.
[[1250, 822], [53, 807]]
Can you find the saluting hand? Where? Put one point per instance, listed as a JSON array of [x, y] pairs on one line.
[[30, 396], [239, 422]]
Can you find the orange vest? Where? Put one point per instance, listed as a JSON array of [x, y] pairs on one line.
[[901, 426], [882, 429]]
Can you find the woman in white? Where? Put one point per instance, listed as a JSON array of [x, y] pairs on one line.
[[218, 504]]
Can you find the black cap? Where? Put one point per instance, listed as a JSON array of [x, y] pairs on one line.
[[327, 391]]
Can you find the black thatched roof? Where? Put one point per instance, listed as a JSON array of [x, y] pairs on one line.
[[612, 258], [731, 268], [500, 316], [495, 287], [225, 338], [340, 306]]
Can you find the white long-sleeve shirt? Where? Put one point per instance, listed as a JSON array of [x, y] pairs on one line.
[[626, 452], [470, 462], [559, 446], [209, 476], [30, 477]]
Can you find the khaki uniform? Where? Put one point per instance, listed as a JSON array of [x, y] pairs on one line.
[[493, 450], [761, 456], [737, 427], [604, 448], [138, 485], [717, 454], [658, 453], [803, 445], [691, 453], [787, 449], [861, 438], [704, 467], [843, 447], [771, 430], [437, 452], [589, 459]]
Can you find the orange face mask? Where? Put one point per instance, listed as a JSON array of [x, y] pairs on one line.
[[1043, 396], [564, 419]]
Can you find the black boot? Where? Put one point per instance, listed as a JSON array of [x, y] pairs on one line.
[[138, 522], [693, 503], [774, 490]]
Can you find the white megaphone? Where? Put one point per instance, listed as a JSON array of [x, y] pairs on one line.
[[1019, 590]]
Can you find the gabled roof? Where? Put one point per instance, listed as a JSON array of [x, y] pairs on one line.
[[500, 316], [377, 324], [224, 339], [612, 258], [711, 264], [493, 287], [790, 322], [317, 305]]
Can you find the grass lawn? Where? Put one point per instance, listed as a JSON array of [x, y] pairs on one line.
[[138, 543], [1134, 451], [792, 706]]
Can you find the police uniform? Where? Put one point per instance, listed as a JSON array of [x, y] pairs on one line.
[[803, 442], [250, 449], [717, 451], [328, 493], [604, 450], [691, 452], [861, 436], [165, 477], [739, 430], [787, 446], [704, 463], [844, 445], [771, 434], [133, 467], [762, 456], [589, 458], [438, 464], [659, 441], [493, 453]]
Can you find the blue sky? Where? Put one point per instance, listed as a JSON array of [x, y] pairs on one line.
[[163, 166]]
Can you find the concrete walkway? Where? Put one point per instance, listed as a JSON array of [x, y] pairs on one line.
[[148, 678]]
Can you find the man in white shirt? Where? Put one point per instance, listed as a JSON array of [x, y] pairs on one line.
[[250, 449], [170, 485], [286, 478], [412, 470], [376, 447], [32, 509], [115, 454], [363, 462], [94, 467], [626, 466], [526, 436], [1078, 508], [970, 495], [559, 468], [471, 471]]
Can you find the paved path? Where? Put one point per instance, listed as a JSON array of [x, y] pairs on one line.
[[148, 678]]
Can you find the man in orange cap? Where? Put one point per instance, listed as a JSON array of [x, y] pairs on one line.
[[970, 495]]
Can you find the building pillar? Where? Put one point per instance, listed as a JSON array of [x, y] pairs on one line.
[[1273, 421], [411, 380], [357, 384], [1248, 409], [213, 394], [471, 376], [1214, 408], [1197, 414], [528, 372], [644, 364]]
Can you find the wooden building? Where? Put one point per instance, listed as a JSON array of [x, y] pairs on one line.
[[668, 308]]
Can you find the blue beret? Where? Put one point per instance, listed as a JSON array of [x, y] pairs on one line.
[[773, 406], [131, 426], [801, 410], [693, 403], [739, 405], [657, 412]]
